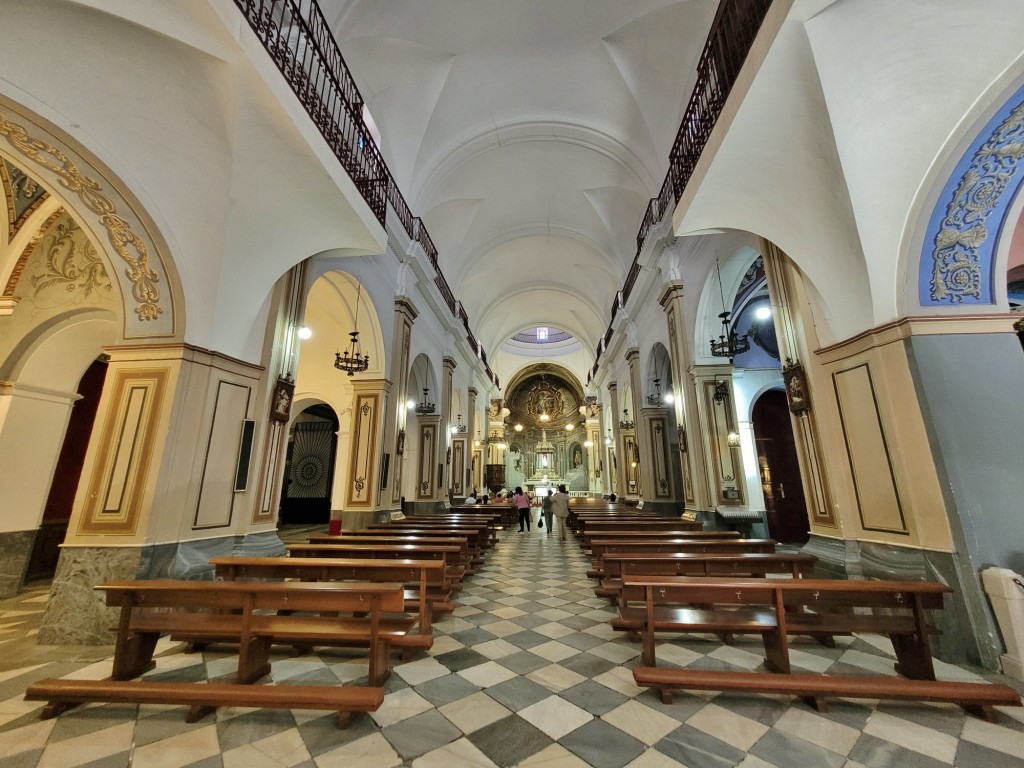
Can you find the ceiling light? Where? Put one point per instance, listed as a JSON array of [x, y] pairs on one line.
[[763, 313], [303, 332]]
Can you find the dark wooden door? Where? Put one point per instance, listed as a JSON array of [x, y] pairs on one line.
[[779, 469], [46, 551]]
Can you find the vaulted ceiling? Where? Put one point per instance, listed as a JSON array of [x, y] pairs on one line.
[[529, 135]]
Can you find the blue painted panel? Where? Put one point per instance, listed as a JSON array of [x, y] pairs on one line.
[[957, 257]]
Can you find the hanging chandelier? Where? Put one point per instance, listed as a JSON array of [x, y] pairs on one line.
[[626, 423], [425, 405], [655, 398], [353, 360], [728, 344]]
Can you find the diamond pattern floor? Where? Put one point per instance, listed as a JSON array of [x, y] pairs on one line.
[[527, 672]]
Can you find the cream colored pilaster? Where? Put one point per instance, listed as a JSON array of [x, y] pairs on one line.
[[617, 457], [694, 472], [794, 328], [396, 422], [494, 477], [33, 421], [472, 448], [658, 456], [719, 442], [166, 482], [363, 484], [430, 458], [595, 478], [641, 451], [447, 386]]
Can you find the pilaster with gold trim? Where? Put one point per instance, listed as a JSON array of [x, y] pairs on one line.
[[363, 484], [643, 482], [448, 365], [616, 456], [429, 466], [694, 474], [395, 428]]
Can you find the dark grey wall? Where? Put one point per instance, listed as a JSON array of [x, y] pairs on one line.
[[970, 388]]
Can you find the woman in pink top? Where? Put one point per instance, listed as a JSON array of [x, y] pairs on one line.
[[522, 502]]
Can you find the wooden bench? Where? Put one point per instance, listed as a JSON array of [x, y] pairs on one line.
[[426, 590], [601, 547], [475, 536], [235, 611], [368, 537], [586, 540], [62, 694], [744, 564], [638, 524], [448, 553], [778, 608]]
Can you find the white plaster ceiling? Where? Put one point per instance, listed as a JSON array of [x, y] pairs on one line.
[[529, 135]]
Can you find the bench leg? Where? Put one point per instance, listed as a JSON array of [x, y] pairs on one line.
[[345, 719], [776, 653], [253, 659], [816, 703], [985, 711], [913, 657], [197, 712], [135, 656], [647, 648], [54, 708], [380, 669]]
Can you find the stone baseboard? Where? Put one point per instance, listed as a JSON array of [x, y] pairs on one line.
[[15, 551]]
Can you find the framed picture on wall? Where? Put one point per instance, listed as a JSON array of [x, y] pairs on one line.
[[796, 387], [281, 402]]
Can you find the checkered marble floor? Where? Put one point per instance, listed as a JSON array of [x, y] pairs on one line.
[[527, 672]]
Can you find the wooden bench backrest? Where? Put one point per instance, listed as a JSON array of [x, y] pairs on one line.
[[819, 594], [699, 564], [249, 596], [446, 552], [328, 569], [664, 524], [601, 547], [380, 537], [659, 535]]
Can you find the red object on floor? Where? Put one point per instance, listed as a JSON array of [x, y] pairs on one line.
[[334, 527]]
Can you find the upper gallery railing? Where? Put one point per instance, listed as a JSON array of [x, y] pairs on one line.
[[299, 40], [732, 34]]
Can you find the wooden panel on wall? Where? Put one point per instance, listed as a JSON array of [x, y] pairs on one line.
[[425, 468], [662, 475], [874, 481], [458, 465], [217, 485], [118, 483], [362, 477], [728, 468]]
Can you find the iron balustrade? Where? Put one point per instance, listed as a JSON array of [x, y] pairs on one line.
[[732, 35], [299, 40]]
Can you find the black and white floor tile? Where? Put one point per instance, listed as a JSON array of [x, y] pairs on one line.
[[527, 672]]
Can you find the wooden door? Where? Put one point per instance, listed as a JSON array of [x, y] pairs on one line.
[[779, 469]]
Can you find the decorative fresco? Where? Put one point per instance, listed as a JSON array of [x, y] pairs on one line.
[[22, 195], [547, 394]]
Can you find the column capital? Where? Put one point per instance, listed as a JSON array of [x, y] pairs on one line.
[[673, 290], [632, 356], [370, 385], [612, 386], [472, 392], [449, 363], [404, 305]]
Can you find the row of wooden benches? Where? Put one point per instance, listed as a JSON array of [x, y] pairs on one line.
[[679, 582], [370, 608]]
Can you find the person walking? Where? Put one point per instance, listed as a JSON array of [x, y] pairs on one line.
[[522, 502], [560, 509], [546, 509]]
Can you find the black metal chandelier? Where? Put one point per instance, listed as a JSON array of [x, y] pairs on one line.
[[425, 406], [729, 343], [353, 360]]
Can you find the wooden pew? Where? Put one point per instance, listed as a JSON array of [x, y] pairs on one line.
[[449, 553], [476, 535], [776, 609], [426, 590], [234, 611], [585, 542], [600, 547], [593, 527], [744, 564], [372, 537]]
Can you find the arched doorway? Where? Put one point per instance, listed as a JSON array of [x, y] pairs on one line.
[[309, 467], [779, 469], [61, 498]]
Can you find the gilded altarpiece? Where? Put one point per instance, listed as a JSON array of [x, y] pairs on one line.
[[426, 476], [362, 482]]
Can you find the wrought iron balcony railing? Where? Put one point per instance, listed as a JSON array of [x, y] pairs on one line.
[[299, 41], [732, 34]]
